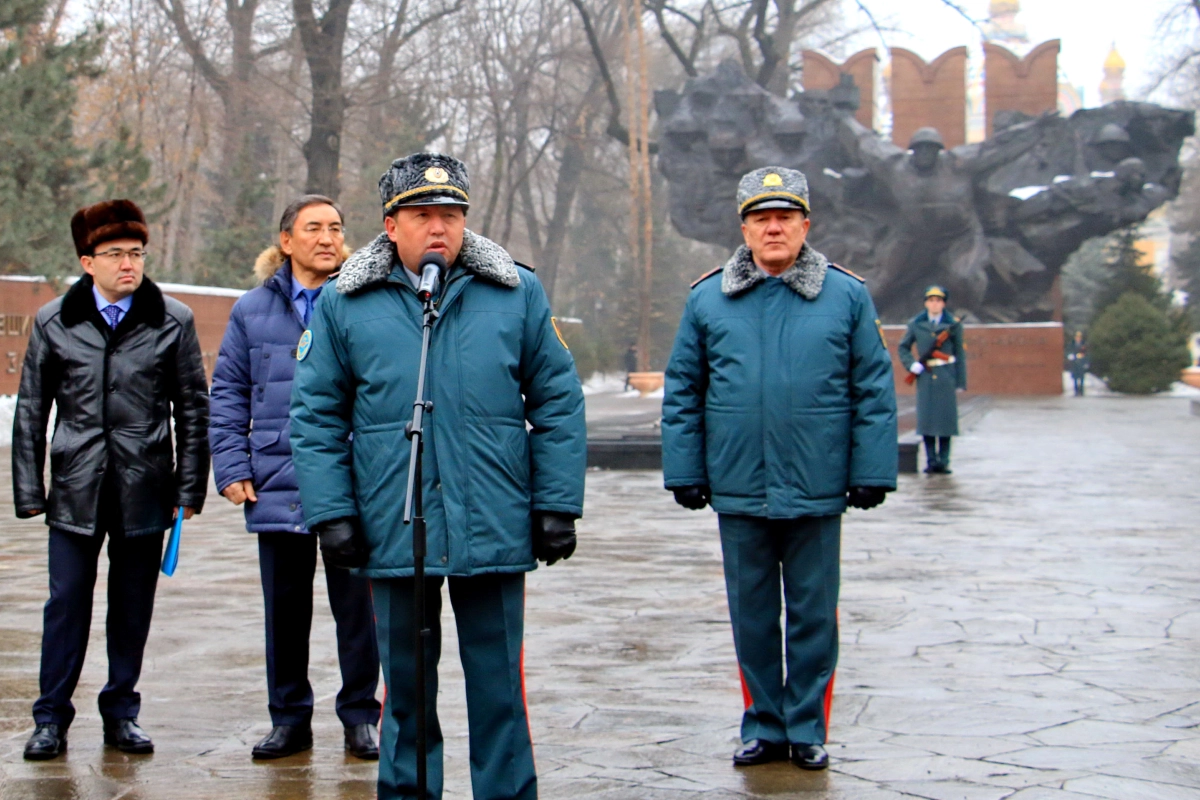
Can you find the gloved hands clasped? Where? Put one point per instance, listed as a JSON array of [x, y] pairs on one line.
[[343, 544], [553, 536], [865, 497], [693, 497]]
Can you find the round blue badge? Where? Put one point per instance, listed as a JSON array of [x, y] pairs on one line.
[[304, 346]]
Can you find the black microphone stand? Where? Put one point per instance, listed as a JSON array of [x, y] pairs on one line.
[[414, 512]]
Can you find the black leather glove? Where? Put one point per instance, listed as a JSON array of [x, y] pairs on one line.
[[553, 536], [693, 497], [866, 496], [343, 544]]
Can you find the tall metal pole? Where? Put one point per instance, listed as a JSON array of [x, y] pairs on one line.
[[414, 513]]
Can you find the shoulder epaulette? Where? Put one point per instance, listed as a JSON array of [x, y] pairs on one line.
[[526, 266], [333, 276], [706, 276], [854, 275]]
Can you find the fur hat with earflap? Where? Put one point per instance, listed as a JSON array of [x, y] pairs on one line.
[[104, 222]]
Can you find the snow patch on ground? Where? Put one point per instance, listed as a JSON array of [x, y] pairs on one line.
[[1095, 386], [607, 383], [8, 407]]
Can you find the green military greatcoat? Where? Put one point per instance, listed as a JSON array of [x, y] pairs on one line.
[[937, 405]]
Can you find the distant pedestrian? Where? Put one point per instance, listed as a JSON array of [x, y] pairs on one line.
[[631, 363], [780, 411], [940, 371], [1077, 362], [252, 464], [119, 360]]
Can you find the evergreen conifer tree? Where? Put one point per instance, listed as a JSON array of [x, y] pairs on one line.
[[43, 173]]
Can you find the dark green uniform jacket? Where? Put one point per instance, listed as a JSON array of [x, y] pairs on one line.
[[495, 363], [937, 405], [779, 393]]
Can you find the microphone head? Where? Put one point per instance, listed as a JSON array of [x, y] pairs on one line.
[[435, 259]]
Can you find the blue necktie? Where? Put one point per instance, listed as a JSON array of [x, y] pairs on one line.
[[310, 301], [113, 314]]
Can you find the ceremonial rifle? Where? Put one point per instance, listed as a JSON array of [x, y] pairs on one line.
[[934, 351]]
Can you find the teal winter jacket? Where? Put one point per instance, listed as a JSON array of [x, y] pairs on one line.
[[779, 392], [495, 364]]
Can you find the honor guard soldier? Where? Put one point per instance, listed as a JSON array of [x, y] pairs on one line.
[[1077, 362], [780, 411], [939, 370], [504, 461], [252, 465], [120, 361]]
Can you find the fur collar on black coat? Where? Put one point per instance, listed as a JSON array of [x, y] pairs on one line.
[[79, 305]]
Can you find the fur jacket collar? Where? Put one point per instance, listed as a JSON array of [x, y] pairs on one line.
[[805, 277], [270, 260], [482, 257]]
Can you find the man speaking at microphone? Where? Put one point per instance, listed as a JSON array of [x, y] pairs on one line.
[[504, 461]]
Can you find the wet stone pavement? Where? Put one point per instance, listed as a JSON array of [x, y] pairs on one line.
[[1027, 628]]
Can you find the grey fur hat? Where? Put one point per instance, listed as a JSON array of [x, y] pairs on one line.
[[424, 179], [772, 187]]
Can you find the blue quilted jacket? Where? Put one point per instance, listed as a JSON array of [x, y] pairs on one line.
[[251, 394]]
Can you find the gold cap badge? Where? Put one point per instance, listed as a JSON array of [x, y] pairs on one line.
[[436, 175], [772, 179]]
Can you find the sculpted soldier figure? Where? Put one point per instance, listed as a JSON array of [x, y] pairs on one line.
[[252, 465], [504, 461], [120, 361], [940, 370], [780, 411]]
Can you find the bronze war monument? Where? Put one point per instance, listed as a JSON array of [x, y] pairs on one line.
[[993, 221]]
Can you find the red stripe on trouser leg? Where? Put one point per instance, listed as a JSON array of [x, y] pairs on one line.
[[746, 698], [829, 700], [375, 620]]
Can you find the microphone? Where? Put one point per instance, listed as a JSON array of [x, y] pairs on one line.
[[432, 268]]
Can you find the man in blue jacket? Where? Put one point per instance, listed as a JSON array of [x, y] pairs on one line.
[[502, 475], [780, 410], [252, 462]]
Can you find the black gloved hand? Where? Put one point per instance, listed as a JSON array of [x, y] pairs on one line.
[[553, 536], [693, 497], [865, 497], [342, 543]]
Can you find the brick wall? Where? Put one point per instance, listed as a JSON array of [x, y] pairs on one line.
[[823, 73], [933, 94], [1022, 359], [1028, 84]]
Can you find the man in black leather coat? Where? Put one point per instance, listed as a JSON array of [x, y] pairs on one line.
[[118, 360]]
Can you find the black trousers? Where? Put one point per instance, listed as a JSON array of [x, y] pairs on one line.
[[288, 563], [133, 564]]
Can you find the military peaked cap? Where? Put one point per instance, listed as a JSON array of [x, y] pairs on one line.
[[772, 187], [424, 179], [935, 291]]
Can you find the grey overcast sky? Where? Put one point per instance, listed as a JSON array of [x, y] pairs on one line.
[[1087, 29]]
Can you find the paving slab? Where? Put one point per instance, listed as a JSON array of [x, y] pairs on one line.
[[1027, 628]]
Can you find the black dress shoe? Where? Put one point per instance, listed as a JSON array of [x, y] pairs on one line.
[[810, 756], [47, 742], [756, 751], [361, 742], [284, 740], [127, 736]]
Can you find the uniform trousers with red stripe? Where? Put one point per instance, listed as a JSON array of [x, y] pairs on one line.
[[489, 613], [787, 681]]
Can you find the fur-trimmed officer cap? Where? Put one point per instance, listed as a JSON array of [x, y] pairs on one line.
[[772, 187], [106, 221], [424, 179]]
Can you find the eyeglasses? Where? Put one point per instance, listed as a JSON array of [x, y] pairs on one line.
[[135, 256]]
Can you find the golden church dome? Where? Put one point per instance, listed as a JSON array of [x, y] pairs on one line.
[[1114, 60]]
